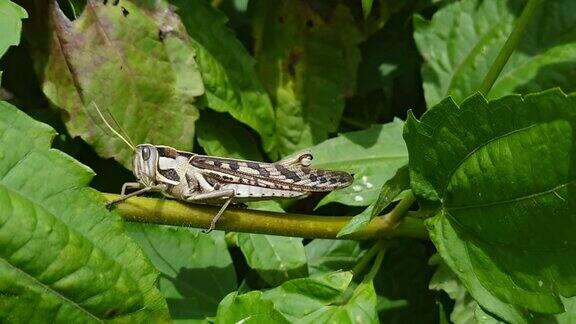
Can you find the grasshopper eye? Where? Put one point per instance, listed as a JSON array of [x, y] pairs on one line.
[[146, 153]]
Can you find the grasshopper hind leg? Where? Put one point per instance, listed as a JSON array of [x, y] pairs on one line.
[[217, 216], [217, 194], [303, 159]]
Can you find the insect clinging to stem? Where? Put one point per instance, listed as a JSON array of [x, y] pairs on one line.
[[196, 178]]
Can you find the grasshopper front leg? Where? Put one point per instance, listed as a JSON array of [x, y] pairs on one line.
[[134, 185], [130, 185], [226, 193]]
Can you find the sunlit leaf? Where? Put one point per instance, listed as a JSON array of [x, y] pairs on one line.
[[220, 135], [445, 279], [11, 16], [360, 308], [275, 258], [569, 316], [316, 299], [357, 222], [332, 255], [501, 172], [197, 271], [232, 84], [308, 65], [117, 60], [248, 308], [65, 257], [367, 7], [299, 297], [372, 155], [462, 40], [390, 190], [402, 285]]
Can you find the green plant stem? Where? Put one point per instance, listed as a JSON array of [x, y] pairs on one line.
[[368, 256], [375, 267], [509, 47], [170, 212], [422, 214], [396, 215]]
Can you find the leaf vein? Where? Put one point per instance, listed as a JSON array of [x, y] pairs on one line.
[[464, 159], [511, 200]]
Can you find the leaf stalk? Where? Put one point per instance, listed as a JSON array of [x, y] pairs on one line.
[[380, 245], [396, 215], [375, 267], [509, 46]]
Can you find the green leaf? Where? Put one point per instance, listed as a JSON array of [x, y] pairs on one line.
[[248, 308], [232, 84], [457, 58], [360, 308], [494, 169], [197, 270], [372, 155], [402, 285], [299, 297], [390, 190], [317, 299], [220, 135], [380, 66], [275, 258], [118, 61], [266, 205], [366, 7], [63, 254], [11, 16], [357, 222], [465, 272], [482, 317], [308, 64], [332, 255], [76, 7], [569, 316], [466, 309], [446, 280], [463, 38]]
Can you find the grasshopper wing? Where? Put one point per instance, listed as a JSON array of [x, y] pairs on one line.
[[272, 175]]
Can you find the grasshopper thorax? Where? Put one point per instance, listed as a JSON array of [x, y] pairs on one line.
[[145, 164]]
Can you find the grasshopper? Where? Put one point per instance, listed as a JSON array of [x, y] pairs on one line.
[[196, 178]]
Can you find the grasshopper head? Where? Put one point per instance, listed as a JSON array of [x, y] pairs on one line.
[[145, 164]]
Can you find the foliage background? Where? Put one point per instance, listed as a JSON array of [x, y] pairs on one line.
[[262, 80]]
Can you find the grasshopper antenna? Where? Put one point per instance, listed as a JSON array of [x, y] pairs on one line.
[[122, 136]]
